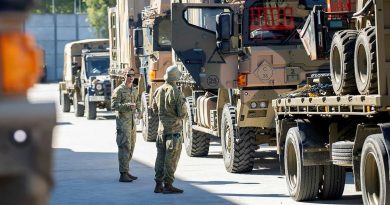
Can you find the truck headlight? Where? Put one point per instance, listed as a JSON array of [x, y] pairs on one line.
[[99, 86], [253, 105], [263, 104]]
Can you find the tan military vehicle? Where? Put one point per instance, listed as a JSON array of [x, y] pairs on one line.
[[154, 51], [86, 82], [25, 128], [123, 19], [241, 56], [319, 137]]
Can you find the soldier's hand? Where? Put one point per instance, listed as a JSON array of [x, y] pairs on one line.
[[131, 106]]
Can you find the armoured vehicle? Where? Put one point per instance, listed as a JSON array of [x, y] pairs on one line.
[[241, 56], [25, 128], [86, 82], [320, 136]]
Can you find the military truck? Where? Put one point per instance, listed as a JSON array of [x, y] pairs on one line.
[[241, 56], [154, 52], [86, 82], [25, 128], [320, 136]]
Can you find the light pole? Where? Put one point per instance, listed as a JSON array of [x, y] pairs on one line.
[[53, 7]]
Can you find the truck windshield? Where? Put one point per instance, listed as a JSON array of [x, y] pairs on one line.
[[97, 65], [203, 17], [274, 22], [164, 33]]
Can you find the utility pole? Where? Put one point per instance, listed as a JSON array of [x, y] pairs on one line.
[[53, 6]]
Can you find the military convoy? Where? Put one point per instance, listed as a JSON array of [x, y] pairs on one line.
[[86, 84], [319, 137], [25, 128], [233, 67]]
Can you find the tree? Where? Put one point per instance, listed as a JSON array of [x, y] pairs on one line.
[[97, 15]]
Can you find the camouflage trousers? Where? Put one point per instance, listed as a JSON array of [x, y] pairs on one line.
[[168, 154], [125, 139]]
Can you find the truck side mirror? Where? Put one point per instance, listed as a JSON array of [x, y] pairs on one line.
[[138, 41], [224, 31]]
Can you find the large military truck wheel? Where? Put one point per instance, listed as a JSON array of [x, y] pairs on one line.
[[149, 120], [341, 62], [374, 171], [342, 153], [365, 62], [332, 182], [196, 143], [302, 181], [90, 107], [78, 107], [64, 101], [238, 144]]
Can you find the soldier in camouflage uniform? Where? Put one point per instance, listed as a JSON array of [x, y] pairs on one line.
[[169, 103], [125, 101]]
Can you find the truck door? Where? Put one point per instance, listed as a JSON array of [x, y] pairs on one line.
[[194, 42]]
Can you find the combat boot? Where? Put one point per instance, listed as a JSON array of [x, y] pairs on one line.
[[125, 178], [169, 189], [132, 177], [159, 187]]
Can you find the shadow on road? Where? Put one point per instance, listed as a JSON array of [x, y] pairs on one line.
[[92, 178]]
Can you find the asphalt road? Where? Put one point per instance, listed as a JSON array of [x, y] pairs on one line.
[[86, 169]]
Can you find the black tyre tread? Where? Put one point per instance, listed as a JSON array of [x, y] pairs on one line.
[[310, 175], [78, 108], [199, 144], [341, 158], [243, 152], [332, 183], [346, 40], [342, 163], [341, 150], [65, 102], [372, 87], [375, 144], [90, 106], [342, 154], [343, 145], [150, 121]]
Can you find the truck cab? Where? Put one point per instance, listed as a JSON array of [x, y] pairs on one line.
[[86, 82]]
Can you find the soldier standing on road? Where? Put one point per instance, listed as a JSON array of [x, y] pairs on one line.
[[126, 103], [169, 103]]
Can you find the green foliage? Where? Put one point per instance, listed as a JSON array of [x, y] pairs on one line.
[[97, 15], [61, 6]]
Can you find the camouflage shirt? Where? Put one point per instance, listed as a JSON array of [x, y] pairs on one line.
[[120, 101], [169, 103]]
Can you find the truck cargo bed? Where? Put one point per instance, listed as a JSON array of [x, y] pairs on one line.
[[362, 105]]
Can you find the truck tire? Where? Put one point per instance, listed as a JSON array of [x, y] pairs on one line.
[[302, 181], [342, 153], [64, 101], [78, 108], [238, 144], [149, 120], [332, 182], [374, 171], [196, 143], [365, 62], [341, 62], [90, 108]]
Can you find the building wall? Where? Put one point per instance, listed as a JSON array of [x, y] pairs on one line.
[[52, 32]]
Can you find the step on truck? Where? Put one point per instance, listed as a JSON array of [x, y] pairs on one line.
[[235, 58], [320, 137], [86, 83]]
